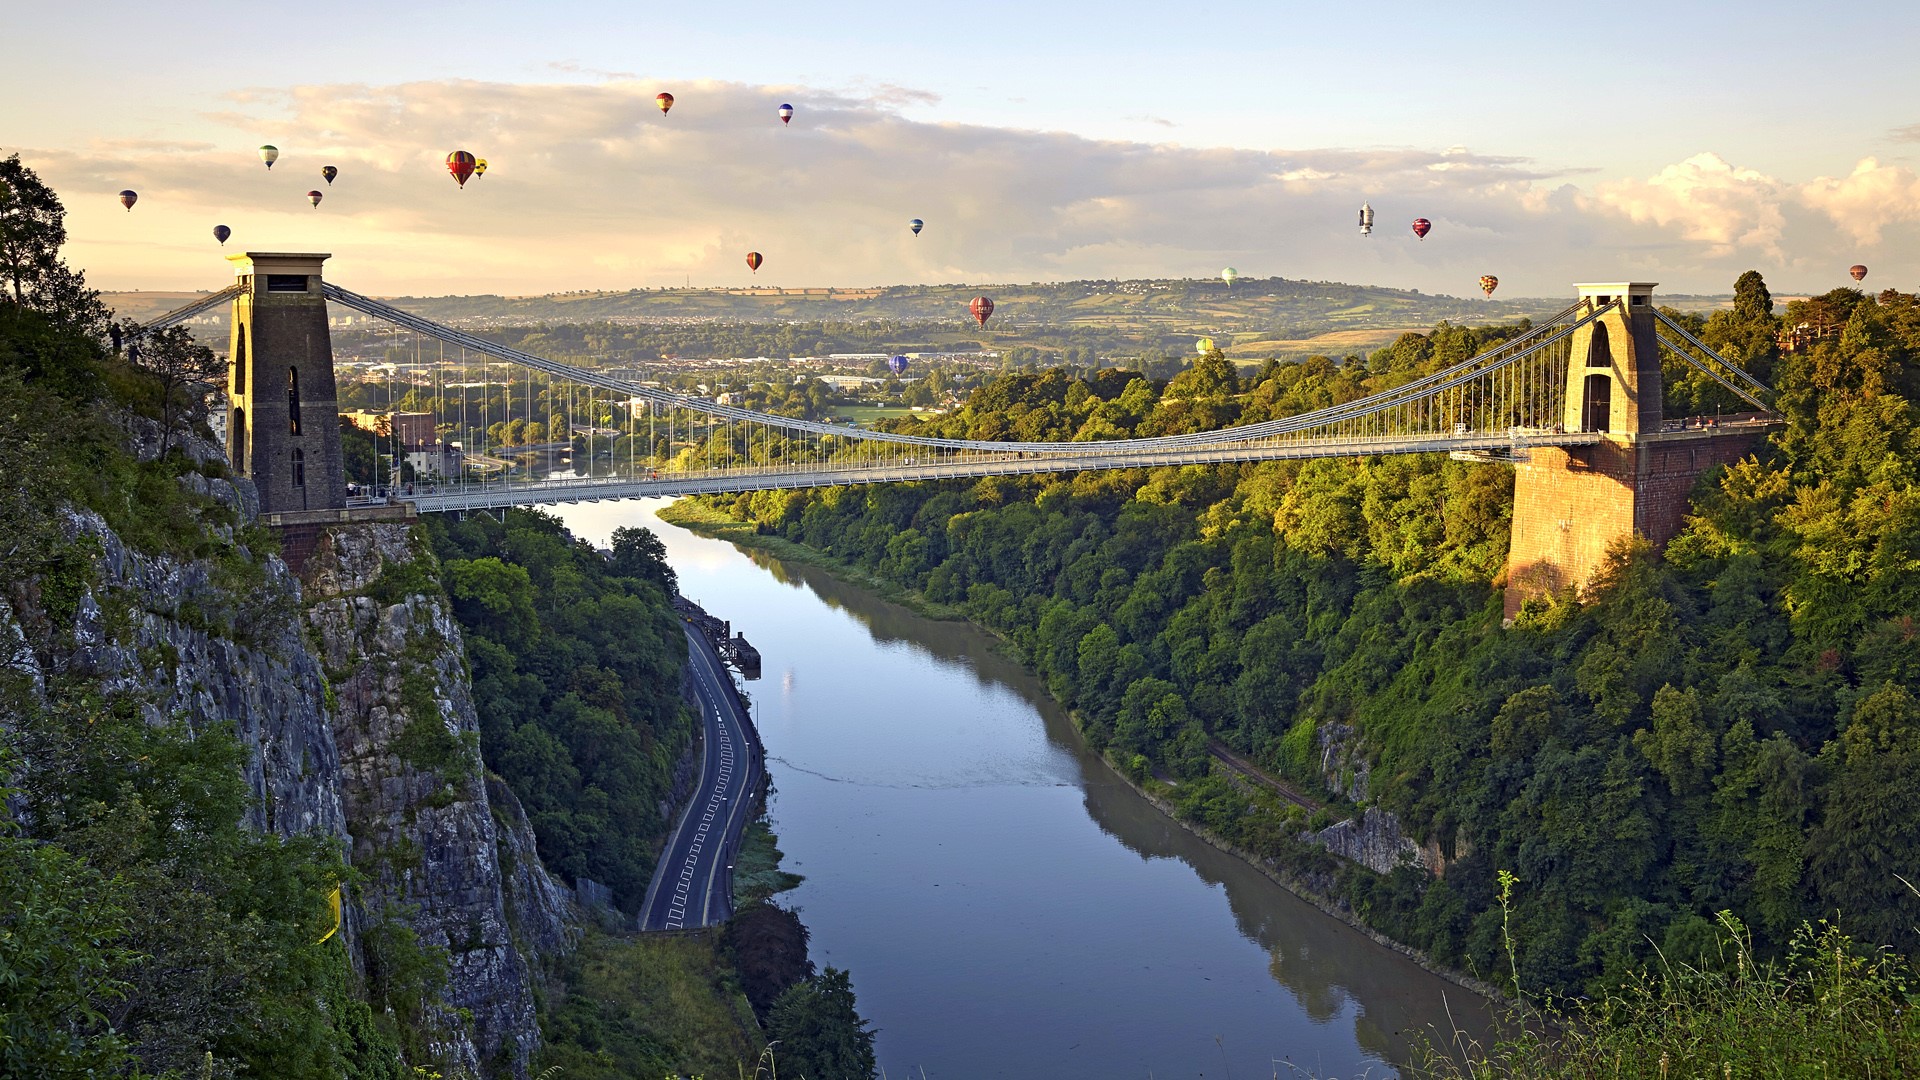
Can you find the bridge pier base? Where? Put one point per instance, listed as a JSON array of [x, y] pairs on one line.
[[1571, 504]]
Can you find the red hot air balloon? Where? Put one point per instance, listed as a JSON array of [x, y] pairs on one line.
[[1421, 226], [1858, 271], [128, 198], [314, 197], [982, 308], [460, 166], [220, 233], [786, 114], [664, 100], [753, 261]]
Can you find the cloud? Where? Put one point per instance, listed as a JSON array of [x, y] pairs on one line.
[[1705, 199], [1863, 203], [1909, 133], [589, 186]]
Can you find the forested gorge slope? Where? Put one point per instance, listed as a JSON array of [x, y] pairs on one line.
[[1733, 726], [201, 753]]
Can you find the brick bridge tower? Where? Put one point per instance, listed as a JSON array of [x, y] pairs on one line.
[[283, 419], [1571, 503]]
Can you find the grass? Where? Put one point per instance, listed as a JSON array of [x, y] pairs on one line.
[[756, 867], [1828, 1009], [867, 414], [648, 1006]]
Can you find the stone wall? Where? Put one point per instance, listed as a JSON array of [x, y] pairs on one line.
[[1571, 504]]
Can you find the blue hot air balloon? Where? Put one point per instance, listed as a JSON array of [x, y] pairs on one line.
[[786, 114], [221, 232], [897, 365], [916, 225]]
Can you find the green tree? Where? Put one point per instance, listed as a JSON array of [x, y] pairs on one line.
[[817, 1032]]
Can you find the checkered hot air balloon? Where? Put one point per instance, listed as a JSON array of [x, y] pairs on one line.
[[1488, 283]]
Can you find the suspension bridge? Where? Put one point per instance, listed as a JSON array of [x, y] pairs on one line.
[[1564, 400], [1560, 385]]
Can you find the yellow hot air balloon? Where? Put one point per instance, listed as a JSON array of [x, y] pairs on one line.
[[1488, 283], [1203, 346], [479, 166]]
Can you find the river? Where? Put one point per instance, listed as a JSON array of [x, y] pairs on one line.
[[1007, 905]]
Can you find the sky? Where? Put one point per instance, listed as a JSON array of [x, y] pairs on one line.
[[1681, 142]]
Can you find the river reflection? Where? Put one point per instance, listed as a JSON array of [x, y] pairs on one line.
[[1007, 905]]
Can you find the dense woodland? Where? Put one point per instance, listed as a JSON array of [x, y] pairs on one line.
[[576, 668], [1731, 727], [147, 931]]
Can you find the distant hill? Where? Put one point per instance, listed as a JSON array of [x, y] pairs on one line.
[[1255, 320]]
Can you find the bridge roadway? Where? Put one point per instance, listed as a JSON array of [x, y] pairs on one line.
[[692, 884], [492, 495]]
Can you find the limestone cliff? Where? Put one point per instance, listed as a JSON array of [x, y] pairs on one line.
[[440, 845], [354, 705]]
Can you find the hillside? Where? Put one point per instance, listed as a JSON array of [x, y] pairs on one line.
[[1279, 308]]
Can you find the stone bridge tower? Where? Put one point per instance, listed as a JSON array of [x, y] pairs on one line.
[[1570, 504], [283, 419]]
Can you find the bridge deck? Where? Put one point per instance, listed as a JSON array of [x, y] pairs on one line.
[[728, 481]]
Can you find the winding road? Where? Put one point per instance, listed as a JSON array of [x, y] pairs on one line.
[[693, 883]]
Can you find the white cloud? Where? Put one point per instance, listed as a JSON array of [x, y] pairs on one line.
[[1863, 203], [589, 186], [1705, 199]]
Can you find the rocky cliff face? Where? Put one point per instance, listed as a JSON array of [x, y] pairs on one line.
[[356, 709], [1374, 839], [435, 838]]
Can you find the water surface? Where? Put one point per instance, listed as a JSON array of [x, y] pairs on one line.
[[1007, 905]]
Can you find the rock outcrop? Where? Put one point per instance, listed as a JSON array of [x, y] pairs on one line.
[[443, 846], [351, 694]]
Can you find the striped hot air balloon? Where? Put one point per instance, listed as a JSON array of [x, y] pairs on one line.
[[753, 261], [460, 166], [982, 308], [128, 198]]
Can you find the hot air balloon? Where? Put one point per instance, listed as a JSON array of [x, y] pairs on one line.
[[897, 365], [664, 100], [1421, 226], [460, 166], [1229, 275], [314, 197], [786, 114], [1366, 219], [479, 166], [128, 198], [1488, 283], [982, 308], [1859, 272], [753, 261], [327, 173], [220, 233], [1203, 346], [916, 225], [269, 154]]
